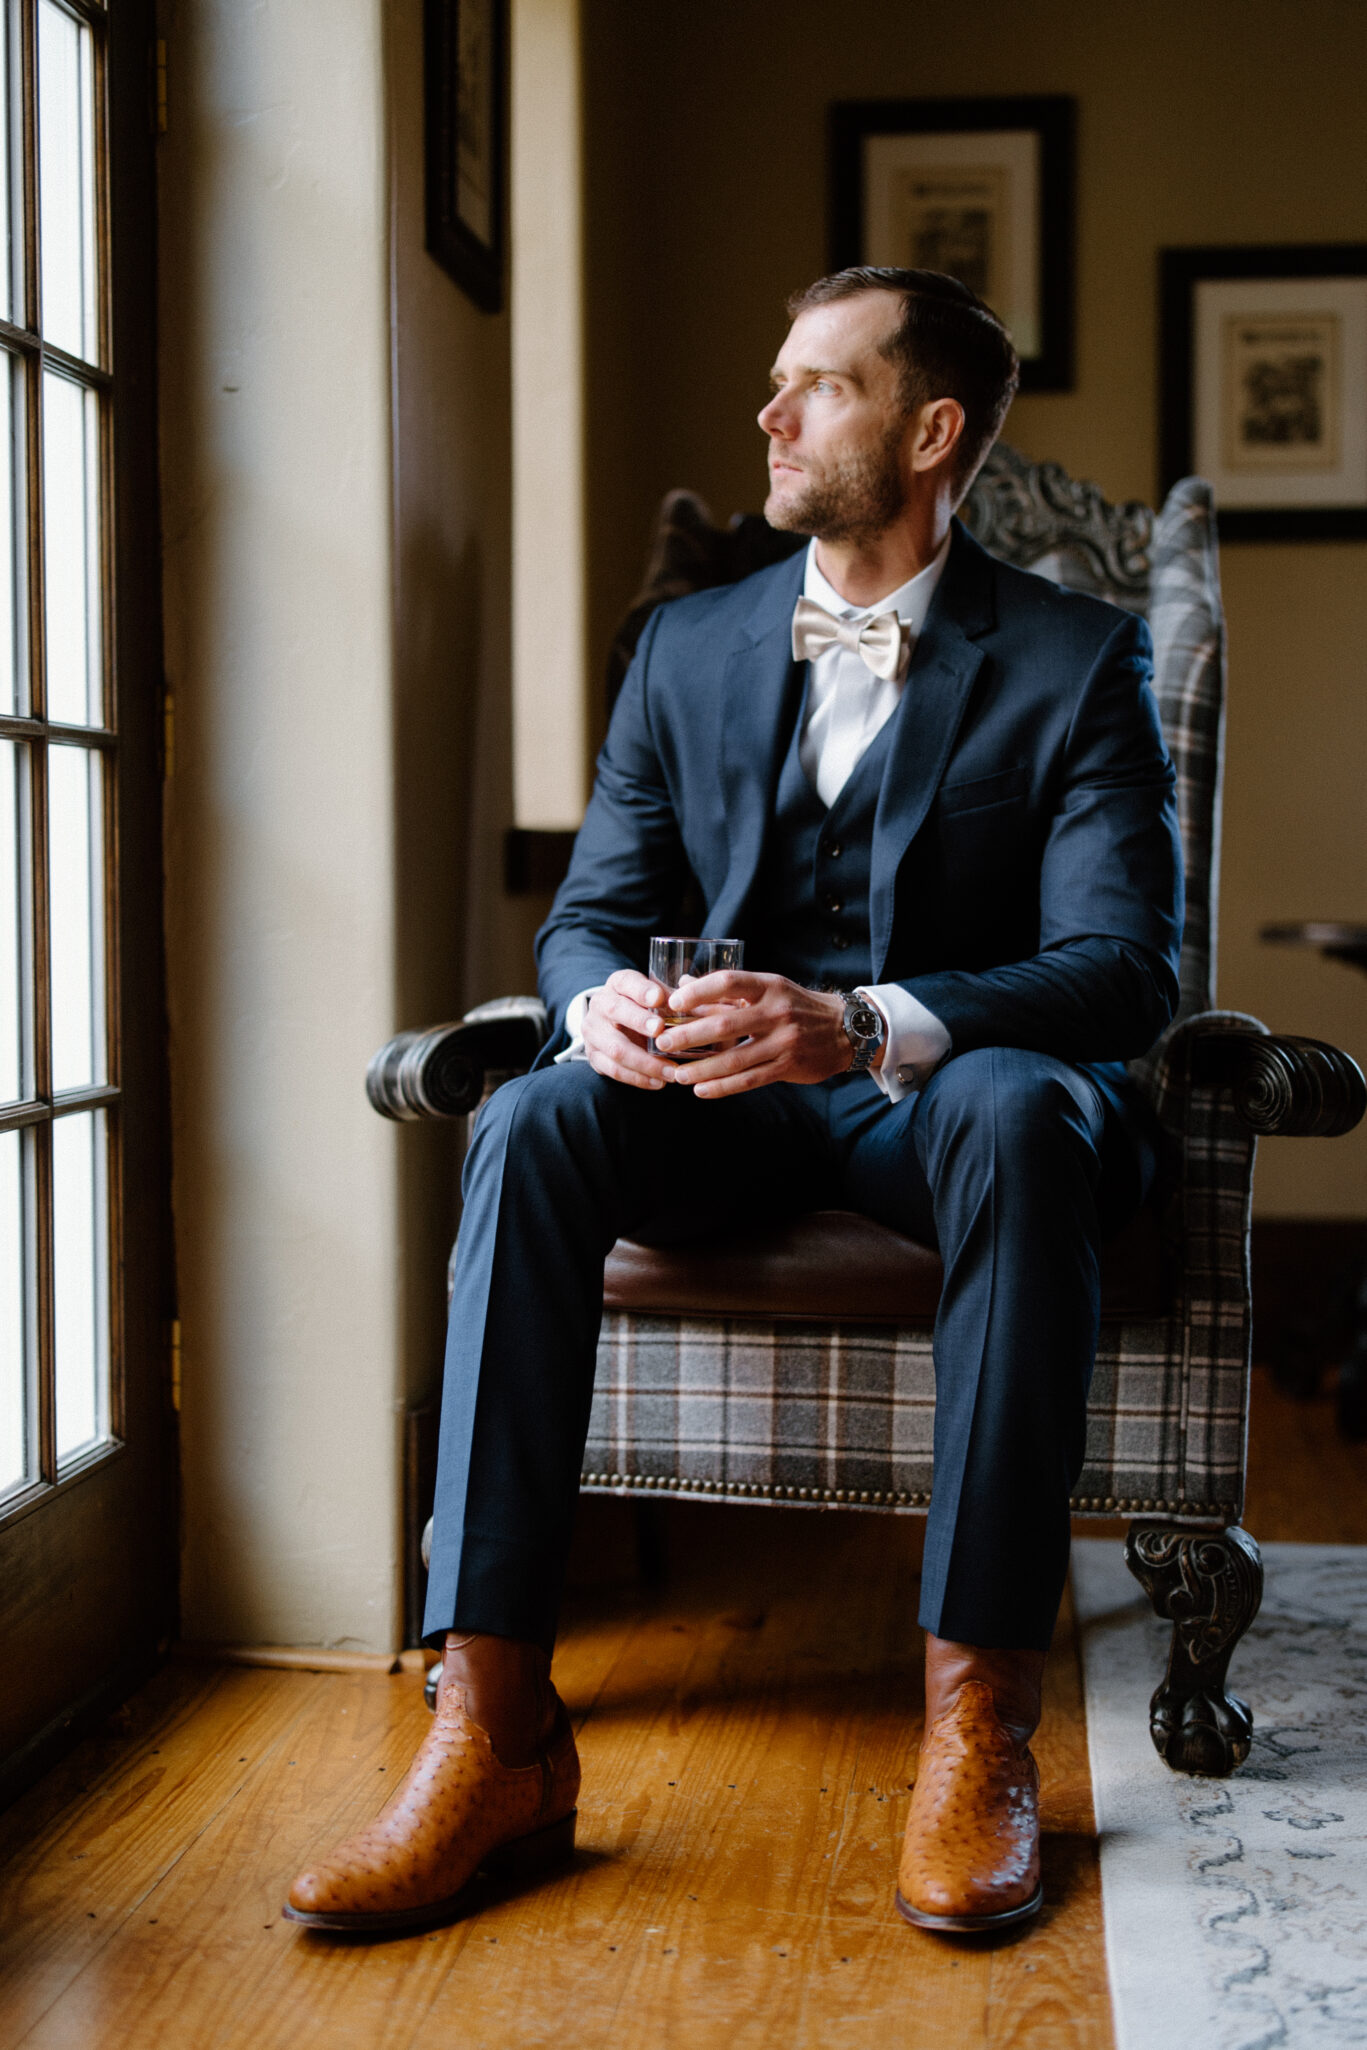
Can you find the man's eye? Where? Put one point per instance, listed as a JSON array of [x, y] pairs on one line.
[[823, 384]]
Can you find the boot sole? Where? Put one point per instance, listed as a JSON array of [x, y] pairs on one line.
[[953, 1925], [524, 1857]]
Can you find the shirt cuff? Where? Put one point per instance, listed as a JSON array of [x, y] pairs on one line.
[[916, 1043], [574, 1025]]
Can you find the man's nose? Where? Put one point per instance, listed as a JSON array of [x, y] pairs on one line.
[[774, 420]]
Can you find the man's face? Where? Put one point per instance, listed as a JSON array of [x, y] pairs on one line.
[[838, 433]]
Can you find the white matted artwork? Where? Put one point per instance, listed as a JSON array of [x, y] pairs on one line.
[[1264, 386], [965, 204], [1280, 391], [981, 190]]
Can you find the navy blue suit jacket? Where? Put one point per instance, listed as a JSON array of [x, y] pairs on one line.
[[1026, 870]]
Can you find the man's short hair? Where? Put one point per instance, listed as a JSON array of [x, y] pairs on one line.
[[947, 345]]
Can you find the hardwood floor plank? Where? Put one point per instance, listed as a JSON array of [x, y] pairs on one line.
[[748, 1736], [214, 1924], [168, 1696], [66, 1895], [182, 1967], [1306, 1484]]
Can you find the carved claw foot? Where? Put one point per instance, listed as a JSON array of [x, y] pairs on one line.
[[1209, 1585]]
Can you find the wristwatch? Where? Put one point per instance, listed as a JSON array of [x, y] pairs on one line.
[[865, 1028]]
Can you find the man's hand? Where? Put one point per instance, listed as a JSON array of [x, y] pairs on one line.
[[620, 1022], [790, 1034]]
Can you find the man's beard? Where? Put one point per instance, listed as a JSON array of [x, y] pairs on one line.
[[849, 500]]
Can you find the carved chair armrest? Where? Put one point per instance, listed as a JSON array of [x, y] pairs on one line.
[[1283, 1086], [1275, 1085], [445, 1071]]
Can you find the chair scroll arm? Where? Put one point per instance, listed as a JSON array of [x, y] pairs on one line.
[[1283, 1086], [444, 1071]]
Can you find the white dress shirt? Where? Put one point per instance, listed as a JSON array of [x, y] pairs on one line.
[[847, 706]]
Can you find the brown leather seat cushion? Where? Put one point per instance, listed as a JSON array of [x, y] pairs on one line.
[[834, 1263]]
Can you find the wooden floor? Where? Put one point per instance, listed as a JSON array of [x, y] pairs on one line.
[[747, 1738]]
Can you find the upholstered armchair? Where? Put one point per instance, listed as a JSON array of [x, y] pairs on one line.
[[794, 1365]]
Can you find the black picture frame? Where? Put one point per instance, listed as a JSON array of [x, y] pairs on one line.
[[1181, 272], [471, 250], [1053, 118]]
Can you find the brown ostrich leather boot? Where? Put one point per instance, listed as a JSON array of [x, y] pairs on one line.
[[970, 1859], [493, 1786]]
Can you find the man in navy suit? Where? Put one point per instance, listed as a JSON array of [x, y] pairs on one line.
[[931, 793]]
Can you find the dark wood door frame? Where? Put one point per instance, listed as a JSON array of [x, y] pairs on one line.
[[88, 1569]]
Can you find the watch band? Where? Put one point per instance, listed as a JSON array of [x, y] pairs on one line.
[[865, 1028]]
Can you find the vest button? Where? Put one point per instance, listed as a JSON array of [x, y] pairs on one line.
[[831, 902], [840, 941], [834, 849]]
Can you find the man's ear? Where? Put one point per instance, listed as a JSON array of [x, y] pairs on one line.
[[937, 432]]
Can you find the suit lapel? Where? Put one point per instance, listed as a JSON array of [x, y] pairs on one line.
[[944, 667], [761, 690]]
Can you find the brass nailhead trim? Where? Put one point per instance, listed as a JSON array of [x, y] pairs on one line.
[[1113, 1505]]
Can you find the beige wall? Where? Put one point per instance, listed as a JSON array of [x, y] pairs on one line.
[[1227, 121], [336, 453], [460, 940], [280, 855]]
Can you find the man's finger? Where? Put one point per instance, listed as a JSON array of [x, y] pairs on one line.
[[621, 1061], [622, 1011], [615, 1072], [623, 1052], [713, 1028], [755, 1050], [728, 985], [629, 982], [737, 1085]]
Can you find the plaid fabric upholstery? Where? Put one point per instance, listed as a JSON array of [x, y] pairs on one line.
[[831, 1414], [1189, 681], [827, 1414]]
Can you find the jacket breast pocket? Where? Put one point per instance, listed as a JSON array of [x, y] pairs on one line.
[[1006, 786], [987, 835]]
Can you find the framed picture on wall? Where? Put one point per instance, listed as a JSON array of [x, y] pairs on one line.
[[982, 189], [1264, 386], [464, 53]]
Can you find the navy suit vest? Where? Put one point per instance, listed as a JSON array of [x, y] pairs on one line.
[[810, 909]]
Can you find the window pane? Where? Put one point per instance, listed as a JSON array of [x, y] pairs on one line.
[[12, 697], [7, 226], [11, 931], [66, 179], [76, 899], [80, 1280], [14, 1422], [71, 551]]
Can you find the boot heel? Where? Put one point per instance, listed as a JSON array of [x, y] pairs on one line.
[[527, 1855]]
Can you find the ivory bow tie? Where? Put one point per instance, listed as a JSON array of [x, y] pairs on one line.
[[878, 641]]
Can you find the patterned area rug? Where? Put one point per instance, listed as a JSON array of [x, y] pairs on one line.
[[1236, 1910]]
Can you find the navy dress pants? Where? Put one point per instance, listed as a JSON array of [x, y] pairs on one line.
[[1012, 1163]]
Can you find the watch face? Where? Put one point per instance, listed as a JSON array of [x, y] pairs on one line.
[[866, 1021]]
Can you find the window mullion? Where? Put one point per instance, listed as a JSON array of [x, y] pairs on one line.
[[29, 75], [42, 1316]]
